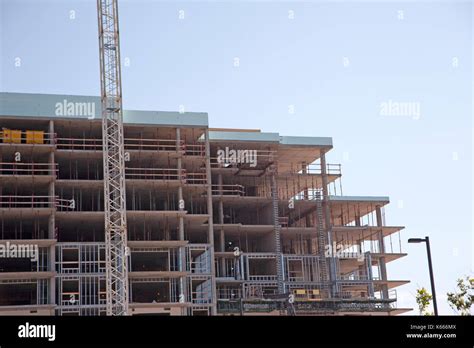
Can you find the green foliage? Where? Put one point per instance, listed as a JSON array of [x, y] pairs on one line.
[[461, 300], [423, 299]]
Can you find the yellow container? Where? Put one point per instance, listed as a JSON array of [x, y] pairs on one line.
[[6, 135], [34, 137], [11, 136]]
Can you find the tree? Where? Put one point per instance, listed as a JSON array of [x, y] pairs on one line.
[[423, 299], [462, 299]]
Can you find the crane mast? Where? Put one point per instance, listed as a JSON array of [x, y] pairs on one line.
[[113, 158]]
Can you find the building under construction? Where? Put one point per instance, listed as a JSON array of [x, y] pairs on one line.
[[219, 221]]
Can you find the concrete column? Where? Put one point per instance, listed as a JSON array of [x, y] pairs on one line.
[[210, 223], [182, 255], [357, 223], [304, 170], [383, 267], [369, 274], [180, 187], [52, 222], [357, 220], [221, 221]]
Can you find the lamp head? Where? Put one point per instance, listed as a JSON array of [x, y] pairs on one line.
[[416, 240]]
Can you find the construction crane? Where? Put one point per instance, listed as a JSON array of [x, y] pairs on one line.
[[116, 251]]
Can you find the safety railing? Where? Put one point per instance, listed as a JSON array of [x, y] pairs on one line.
[[260, 255], [215, 163], [316, 168], [392, 295], [154, 174], [263, 278], [354, 276], [153, 144], [229, 294], [283, 221], [193, 178], [137, 144], [18, 201], [78, 144], [195, 150], [309, 195], [237, 158], [196, 178], [241, 190], [65, 204], [18, 168], [228, 190]]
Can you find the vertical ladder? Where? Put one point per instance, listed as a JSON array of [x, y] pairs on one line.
[[322, 242], [113, 157], [277, 230]]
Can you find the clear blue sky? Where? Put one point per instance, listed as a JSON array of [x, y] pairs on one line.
[[424, 165]]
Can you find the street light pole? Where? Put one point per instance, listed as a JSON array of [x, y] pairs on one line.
[[430, 266]]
